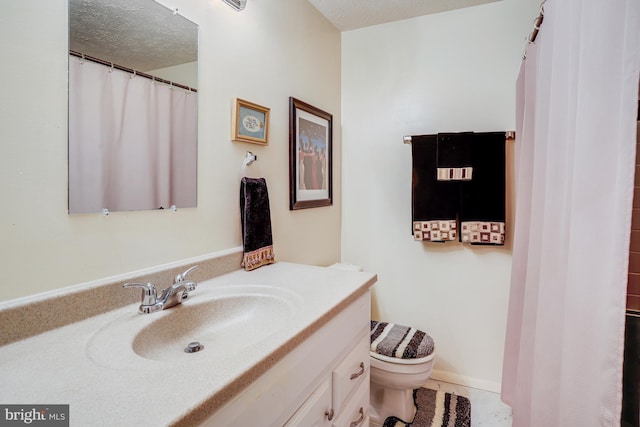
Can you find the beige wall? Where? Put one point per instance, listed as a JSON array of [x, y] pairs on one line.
[[262, 55], [449, 72]]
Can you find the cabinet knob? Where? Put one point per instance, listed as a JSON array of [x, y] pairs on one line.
[[329, 414]]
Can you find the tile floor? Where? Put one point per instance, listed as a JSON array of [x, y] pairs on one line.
[[487, 410]]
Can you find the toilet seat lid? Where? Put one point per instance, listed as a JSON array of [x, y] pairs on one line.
[[400, 342], [397, 361]]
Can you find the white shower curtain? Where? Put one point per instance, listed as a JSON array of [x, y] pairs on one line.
[[132, 141], [577, 100]]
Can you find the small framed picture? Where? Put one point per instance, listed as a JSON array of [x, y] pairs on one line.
[[310, 156], [250, 122]]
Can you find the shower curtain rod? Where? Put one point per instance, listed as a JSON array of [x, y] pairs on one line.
[[130, 70]]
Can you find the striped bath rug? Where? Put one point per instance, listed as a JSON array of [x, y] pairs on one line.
[[436, 409]]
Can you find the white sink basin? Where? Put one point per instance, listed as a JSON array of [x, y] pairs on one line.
[[225, 321]]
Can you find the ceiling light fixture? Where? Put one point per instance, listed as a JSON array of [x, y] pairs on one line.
[[236, 4]]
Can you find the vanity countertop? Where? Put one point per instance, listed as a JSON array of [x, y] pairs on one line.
[[115, 389]]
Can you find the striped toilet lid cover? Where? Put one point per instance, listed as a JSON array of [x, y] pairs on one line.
[[401, 342]]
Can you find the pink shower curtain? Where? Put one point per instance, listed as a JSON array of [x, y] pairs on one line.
[[577, 100], [132, 141]]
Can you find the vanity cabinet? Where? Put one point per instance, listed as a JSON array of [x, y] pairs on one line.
[[322, 382]]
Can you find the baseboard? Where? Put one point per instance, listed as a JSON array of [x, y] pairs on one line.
[[466, 381]]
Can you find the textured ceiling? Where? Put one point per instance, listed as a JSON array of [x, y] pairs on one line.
[[351, 14], [139, 34], [144, 35]]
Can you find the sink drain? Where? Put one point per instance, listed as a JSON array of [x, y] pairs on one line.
[[193, 347]]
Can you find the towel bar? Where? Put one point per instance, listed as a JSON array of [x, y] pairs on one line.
[[509, 135]]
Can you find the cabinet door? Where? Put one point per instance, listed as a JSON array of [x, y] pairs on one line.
[[316, 410]]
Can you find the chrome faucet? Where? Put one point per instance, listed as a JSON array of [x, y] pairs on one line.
[[169, 297]]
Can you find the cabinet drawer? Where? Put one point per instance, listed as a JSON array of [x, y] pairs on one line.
[[314, 411], [351, 372], [356, 410]]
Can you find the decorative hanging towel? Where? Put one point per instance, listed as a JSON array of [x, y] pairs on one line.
[[434, 203], [256, 223], [482, 199], [459, 176]]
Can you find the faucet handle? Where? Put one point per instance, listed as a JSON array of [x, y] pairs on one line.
[[181, 277], [149, 292]]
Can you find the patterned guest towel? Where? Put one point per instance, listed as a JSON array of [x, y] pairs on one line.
[[458, 187], [434, 203], [482, 199], [256, 224], [436, 409]]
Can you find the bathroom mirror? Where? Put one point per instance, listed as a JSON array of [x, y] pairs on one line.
[[132, 106]]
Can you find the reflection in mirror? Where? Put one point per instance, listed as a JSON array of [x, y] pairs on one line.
[[132, 106]]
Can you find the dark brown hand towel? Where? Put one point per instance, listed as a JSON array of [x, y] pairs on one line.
[[255, 215]]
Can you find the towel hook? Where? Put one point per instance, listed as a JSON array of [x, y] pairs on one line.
[[249, 158]]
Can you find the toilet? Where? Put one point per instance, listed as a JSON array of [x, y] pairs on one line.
[[401, 359]]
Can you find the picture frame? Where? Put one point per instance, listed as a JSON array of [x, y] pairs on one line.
[[250, 122], [310, 156]]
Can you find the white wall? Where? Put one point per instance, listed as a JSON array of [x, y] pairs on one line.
[[261, 54], [448, 72]]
